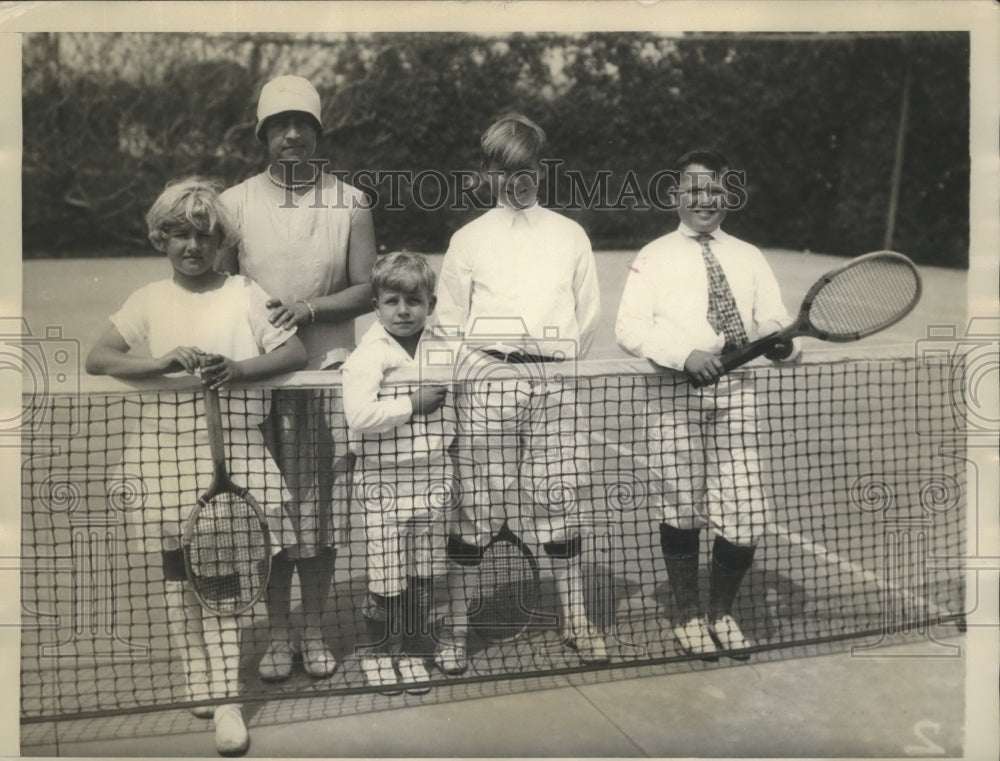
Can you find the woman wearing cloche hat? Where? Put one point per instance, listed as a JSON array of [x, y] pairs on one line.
[[308, 239]]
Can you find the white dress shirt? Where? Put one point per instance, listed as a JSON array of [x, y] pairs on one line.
[[382, 427], [524, 277], [664, 308]]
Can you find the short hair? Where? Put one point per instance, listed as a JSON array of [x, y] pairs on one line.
[[512, 142], [194, 201], [709, 158], [403, 271]]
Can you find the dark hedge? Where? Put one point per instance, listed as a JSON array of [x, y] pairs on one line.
[[811, 120]]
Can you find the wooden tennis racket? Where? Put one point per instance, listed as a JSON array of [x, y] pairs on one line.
[[226, 542], [508, 594], [866, 295]]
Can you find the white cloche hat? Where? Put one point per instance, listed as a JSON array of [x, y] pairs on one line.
[[287, 93]]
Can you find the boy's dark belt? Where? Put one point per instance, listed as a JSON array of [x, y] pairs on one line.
[[516, 357]]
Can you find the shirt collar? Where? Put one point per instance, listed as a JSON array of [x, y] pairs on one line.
[[510, 215], [379, 333], [718, 234]]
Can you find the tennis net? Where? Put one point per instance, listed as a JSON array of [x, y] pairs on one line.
[[862, 463]]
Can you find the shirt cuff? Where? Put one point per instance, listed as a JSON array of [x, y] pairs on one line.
[[675, 353], [400, 409]]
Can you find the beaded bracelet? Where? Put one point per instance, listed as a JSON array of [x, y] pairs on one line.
[[310, 307]]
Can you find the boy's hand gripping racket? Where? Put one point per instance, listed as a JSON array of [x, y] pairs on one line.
[[866, 295], [508, 593], [227, 546]]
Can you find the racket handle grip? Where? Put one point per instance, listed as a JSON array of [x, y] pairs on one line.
[[751, 351], [741, 356], [213, 420]]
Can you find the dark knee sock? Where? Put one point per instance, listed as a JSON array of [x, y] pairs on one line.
[[729, 565], [680, 551]]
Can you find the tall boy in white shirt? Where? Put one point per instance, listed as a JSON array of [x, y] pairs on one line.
[[690, 297], [521, 455]]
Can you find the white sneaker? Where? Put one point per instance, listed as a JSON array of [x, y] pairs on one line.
[[276, 665], [231, 738], [413, 674], [694, 638], [583, 636], [379, 672], [452, 659], [199, 691], [317, 660], [728, 636], [203, 712]]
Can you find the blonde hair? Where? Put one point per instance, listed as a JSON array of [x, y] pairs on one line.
[[512, 142], [403, 271], [193, 201]]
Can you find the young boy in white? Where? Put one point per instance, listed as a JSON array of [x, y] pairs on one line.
[[216, 325], [524, 266], [403, 476], [691, 296]]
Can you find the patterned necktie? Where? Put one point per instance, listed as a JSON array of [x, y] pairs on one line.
[[723, 315]]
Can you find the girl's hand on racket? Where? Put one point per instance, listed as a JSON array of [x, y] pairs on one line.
[[703, 368], [187, 358], [216, 371], [288, 315], [428, 399]]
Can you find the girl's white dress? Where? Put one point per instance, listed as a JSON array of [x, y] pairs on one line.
[[166, 455]]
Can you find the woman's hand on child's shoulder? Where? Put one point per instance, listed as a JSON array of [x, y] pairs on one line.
[[187, 358], [289, 315], [216, 371]]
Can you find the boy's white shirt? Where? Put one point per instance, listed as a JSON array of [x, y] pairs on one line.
[[530, 265], [406, 441], [663, 314]]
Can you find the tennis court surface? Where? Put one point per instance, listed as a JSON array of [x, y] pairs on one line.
[[809, 703], [864, 459]]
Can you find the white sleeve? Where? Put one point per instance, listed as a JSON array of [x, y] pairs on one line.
[[132, 320], [357, 202], [362, 375], [232, 200], [267, 336], [587, 291], [769, 312], [454, 291], [668, 344]]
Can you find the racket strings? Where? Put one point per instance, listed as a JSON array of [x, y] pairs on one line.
[[508, 592], [865, 297], [228, 552]]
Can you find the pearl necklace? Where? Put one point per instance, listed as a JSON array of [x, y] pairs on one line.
[[291, 186]]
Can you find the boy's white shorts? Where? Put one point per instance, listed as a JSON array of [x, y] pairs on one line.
[[522, 459], [404, 513], [704, 468]]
